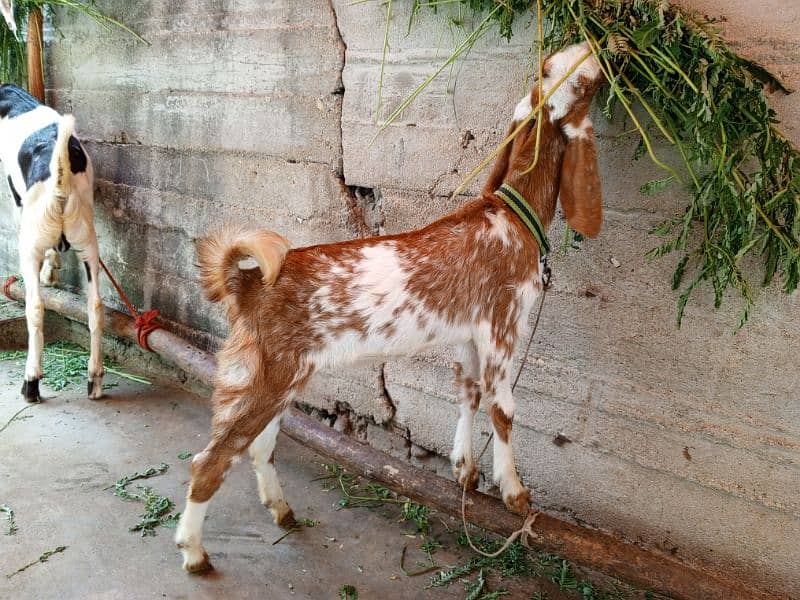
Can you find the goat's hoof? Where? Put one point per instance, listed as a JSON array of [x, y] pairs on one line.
[[94, 387], [30, 391], [283, 516], [519, 503], [467, 477], [195, 560], [198, 568]]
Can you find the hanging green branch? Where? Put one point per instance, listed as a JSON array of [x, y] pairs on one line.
[[13, 60], [743, 175]]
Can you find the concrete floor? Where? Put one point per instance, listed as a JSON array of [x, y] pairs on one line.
[[59, 459]]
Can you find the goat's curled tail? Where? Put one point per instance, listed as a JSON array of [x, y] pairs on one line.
[[219, 255]]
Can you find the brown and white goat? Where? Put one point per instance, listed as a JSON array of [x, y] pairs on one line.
[[469, 279], [50, 177]]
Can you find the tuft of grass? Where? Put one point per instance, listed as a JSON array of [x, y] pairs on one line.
[[65, 365], [348, 592], [13, 51], [9, 514], [157, 508]]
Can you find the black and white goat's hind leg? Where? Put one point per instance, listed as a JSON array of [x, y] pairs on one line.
[[91, 260], [81, 234], [30, 263]]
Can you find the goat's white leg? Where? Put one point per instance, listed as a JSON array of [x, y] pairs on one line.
[[234, 430], [469, 398], [30, 264], [189, 537], [262, 452], [81, 234], [48, 276], [95, 312], [497, 390]]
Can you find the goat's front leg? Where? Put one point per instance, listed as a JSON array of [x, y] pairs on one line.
[[30, 264], [466, 370], [95, 312], [496, 385], [262, 453]]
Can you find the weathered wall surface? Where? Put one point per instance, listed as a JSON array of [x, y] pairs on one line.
[[262, 112]]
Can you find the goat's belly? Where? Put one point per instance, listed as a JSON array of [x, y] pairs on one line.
[[352, 347]]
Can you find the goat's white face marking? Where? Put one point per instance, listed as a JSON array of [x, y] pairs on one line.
[[557, 65], [523, 108]]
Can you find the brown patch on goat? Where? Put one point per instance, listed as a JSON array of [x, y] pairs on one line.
[[502, 423]]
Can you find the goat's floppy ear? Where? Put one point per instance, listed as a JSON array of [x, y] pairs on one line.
[[500, 167], [580, 181]]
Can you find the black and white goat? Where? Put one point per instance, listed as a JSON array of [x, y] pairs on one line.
[[50, 177]]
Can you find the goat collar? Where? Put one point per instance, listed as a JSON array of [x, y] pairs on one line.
[[523, 210]]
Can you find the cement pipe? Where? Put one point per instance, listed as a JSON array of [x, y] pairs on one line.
[[647, 568]]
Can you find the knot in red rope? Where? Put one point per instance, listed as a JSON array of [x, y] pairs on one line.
[[145, 323]]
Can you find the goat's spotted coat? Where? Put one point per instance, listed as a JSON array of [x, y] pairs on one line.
[[51, 181], [469, 280]]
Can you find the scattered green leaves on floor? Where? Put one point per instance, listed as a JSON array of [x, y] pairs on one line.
[[157, 508], [516, 561], [43, 558], [348, 592], [184, 455], [6, 510], [65, 365]]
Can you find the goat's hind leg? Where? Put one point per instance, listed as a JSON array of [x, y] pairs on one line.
[[469, 398], [83, 236], [30, 264], [262, 453], [94, 307], [237, 422]]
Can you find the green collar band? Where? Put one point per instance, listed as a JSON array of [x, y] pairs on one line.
[[524, 211]]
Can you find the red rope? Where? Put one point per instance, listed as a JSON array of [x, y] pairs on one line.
[[7, 287], [145, 323]]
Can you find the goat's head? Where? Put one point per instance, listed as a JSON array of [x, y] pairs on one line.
[[567, 163]]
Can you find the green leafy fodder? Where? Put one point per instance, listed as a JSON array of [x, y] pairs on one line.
[[65, 366], [742, 174], [157, 508]]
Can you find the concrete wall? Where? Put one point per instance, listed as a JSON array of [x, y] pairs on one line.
[[262, 112]]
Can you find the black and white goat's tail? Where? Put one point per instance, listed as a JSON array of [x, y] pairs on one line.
[[60, 171]]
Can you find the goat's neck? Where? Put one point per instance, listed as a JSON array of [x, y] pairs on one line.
[[539, 188]]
